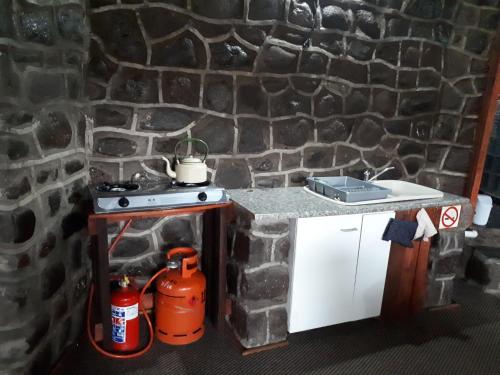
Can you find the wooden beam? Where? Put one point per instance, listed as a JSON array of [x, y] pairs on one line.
[[486, 118]]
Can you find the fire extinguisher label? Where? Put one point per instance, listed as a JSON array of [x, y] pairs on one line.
[[119, 317]]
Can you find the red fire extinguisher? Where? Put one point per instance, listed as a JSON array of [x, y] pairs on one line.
[[125, 317]]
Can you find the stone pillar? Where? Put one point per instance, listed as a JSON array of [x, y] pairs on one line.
[[258, 281], [445, 260], [44, 269]]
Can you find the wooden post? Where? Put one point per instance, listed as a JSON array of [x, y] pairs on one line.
[[486, 118]]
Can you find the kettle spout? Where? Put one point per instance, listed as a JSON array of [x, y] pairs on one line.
[[169, 170]]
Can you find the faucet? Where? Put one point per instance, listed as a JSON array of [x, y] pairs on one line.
[[366, 173]]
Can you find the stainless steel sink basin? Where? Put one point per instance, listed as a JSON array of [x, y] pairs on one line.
[[400, 191]]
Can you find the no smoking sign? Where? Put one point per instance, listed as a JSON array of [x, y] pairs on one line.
[[450, 216]]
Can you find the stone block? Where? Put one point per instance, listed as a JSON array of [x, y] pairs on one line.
[[367, 132], [231, 55], [269, 181], [181, 88], [52, 279], [218, 93], [186, 50], [381, 74], [335, 130], [274, 85], [114, 146], [334, 17], [367, 22], [276, 59], [278, 227], [484, 268], [178, 231], [357, 101], [37, 25], [432, 56], [349, 70], [17, 226], [166, 119], [318, 157], [159, 22], [121, 35], [447, 265], [219, 8], [71, 23], [413, 165], [54, 131], [282, 249], [346, 155], [396, 26], [265, 284], [253, 34], [99, 66], [6, 26], [251, 98], [477, 41], [290, 161], [251, 251], [428, 78], [130, 247], [418, 102], [111, 115], [217, 132], [292, 133], [388, 51], [278, 324], [135, 85], [384, 102], [9, 79], [253, 135], [439, 292], [360, 49], [297, 178], [458, 159], [251, 327], [313, 62], [301, 14], [410, 54], [43, 87], [15, 184], [332, 43], [428, 9], [408, 147], [327, 104], [233, 174]]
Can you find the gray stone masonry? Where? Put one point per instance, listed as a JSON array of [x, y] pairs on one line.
[[44, 269], [283, 90], [481, 261]]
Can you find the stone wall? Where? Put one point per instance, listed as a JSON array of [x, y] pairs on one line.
[[285, 89], [43, 263]]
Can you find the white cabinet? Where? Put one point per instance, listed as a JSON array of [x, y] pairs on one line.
[[337, 271]]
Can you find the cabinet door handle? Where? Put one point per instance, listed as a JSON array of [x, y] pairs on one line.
[[349, 230]]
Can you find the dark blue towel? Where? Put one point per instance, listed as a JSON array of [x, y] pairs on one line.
[[401, 232]]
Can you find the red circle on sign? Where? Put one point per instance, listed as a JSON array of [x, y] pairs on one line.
[[449, 217]]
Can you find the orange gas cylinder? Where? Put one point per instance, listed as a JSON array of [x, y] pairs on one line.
[[180, 299]]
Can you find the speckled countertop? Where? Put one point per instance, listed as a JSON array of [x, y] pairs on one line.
[[294, 202]]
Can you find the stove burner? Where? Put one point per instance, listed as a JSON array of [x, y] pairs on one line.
[[108, 188], [187, 184]]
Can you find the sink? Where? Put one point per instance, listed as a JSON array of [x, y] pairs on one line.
[[400, 191]]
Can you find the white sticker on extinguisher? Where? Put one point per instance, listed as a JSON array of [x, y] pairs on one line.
[[119, 317]]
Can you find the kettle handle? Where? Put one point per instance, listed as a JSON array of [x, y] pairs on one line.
[[191, 140]]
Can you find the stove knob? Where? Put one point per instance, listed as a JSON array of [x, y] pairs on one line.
[[202, 197], [123, 202]]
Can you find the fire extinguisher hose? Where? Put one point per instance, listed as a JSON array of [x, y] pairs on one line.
[[144, 313]]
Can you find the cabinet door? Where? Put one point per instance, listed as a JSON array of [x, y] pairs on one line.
[[372, 266], [323, 271]]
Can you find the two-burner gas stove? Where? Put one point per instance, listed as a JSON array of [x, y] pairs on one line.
[[140, 196]]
